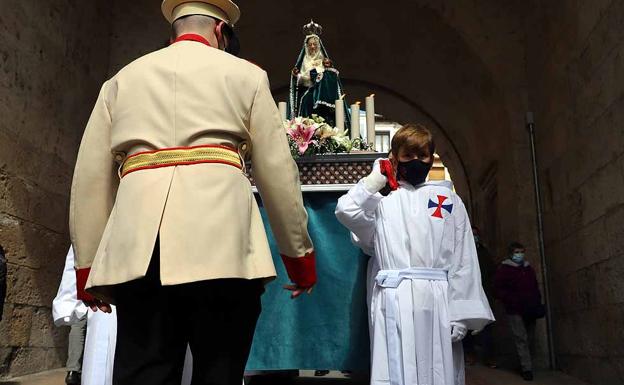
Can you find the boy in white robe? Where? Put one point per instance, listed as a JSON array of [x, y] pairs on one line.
[[427, 288]]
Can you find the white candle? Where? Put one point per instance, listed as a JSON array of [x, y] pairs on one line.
[[370, 120], [355, 121], [340, 118], [282, 109]]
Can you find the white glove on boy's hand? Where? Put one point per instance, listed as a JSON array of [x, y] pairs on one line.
[[375, 181], [458, 331]]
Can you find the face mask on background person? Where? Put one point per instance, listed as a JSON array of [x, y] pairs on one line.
[[477, 240], [414, 172], [517, 258]]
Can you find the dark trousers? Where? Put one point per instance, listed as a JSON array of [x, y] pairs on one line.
[[523, 330], [217, 318]]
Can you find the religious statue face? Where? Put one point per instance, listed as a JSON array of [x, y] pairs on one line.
[[313, 45]]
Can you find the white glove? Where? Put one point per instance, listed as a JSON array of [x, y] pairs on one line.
[[458, 331], [375, 181], [476, 332]]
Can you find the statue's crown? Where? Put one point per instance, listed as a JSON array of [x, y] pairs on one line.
[[312, 29]]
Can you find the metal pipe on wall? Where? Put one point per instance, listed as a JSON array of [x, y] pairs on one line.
[[530, 122]]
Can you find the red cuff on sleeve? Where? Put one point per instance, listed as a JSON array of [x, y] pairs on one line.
[[81, 282], [302, 270]]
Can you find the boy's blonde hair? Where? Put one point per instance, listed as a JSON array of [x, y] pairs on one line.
[[415, 139]]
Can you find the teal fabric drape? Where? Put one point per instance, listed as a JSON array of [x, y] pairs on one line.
[[328, 329]]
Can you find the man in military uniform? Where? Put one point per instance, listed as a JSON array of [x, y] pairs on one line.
[[163, 219]]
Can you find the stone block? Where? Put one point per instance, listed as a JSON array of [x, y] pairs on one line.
[[5, 324], [596, 145], [601, 25], [594, 244], [571, 212], [602, 192], [43, 333], [31, 287], [569, 248], [613, 315], [20, 326], [6, 356], [25, 200], [55, 357], [591, 14], [609, 286], [28, 360], [596, 370], [615, 232], [32, 246]]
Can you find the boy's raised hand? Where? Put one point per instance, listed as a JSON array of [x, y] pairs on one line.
[[375, 181]]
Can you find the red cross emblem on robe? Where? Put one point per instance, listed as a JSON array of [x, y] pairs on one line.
[[440, 207]]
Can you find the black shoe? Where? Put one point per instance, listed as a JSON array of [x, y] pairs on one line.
[[527, 375], [73, 378], [321, 373]]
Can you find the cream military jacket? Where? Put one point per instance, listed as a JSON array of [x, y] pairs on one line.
[[206, 216]]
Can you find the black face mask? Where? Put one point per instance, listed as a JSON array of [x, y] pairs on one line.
[[413, 172], [233, 45]]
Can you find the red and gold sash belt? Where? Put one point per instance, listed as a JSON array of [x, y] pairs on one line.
[[179, 156]]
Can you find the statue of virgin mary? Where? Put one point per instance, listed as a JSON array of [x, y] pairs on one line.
[[315, 83]]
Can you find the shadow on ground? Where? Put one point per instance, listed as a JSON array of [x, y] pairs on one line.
[[475, 375]]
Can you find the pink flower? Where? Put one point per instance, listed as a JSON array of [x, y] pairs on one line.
[[302, 135]]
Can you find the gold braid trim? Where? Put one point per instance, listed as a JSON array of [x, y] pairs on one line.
[[180, 156]]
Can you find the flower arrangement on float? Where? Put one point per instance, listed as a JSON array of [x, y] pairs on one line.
[[313, 136]]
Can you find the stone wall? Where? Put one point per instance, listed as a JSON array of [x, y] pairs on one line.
[[576, 73], [53, 57]]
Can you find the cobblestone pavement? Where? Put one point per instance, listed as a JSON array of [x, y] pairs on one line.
[[476, 375]]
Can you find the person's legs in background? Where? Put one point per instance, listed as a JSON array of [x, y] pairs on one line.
[[517, 325], [75, 351], [487, 342], [529, 325], [470, 354]]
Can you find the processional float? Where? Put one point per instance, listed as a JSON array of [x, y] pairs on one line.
[[328, 329]]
